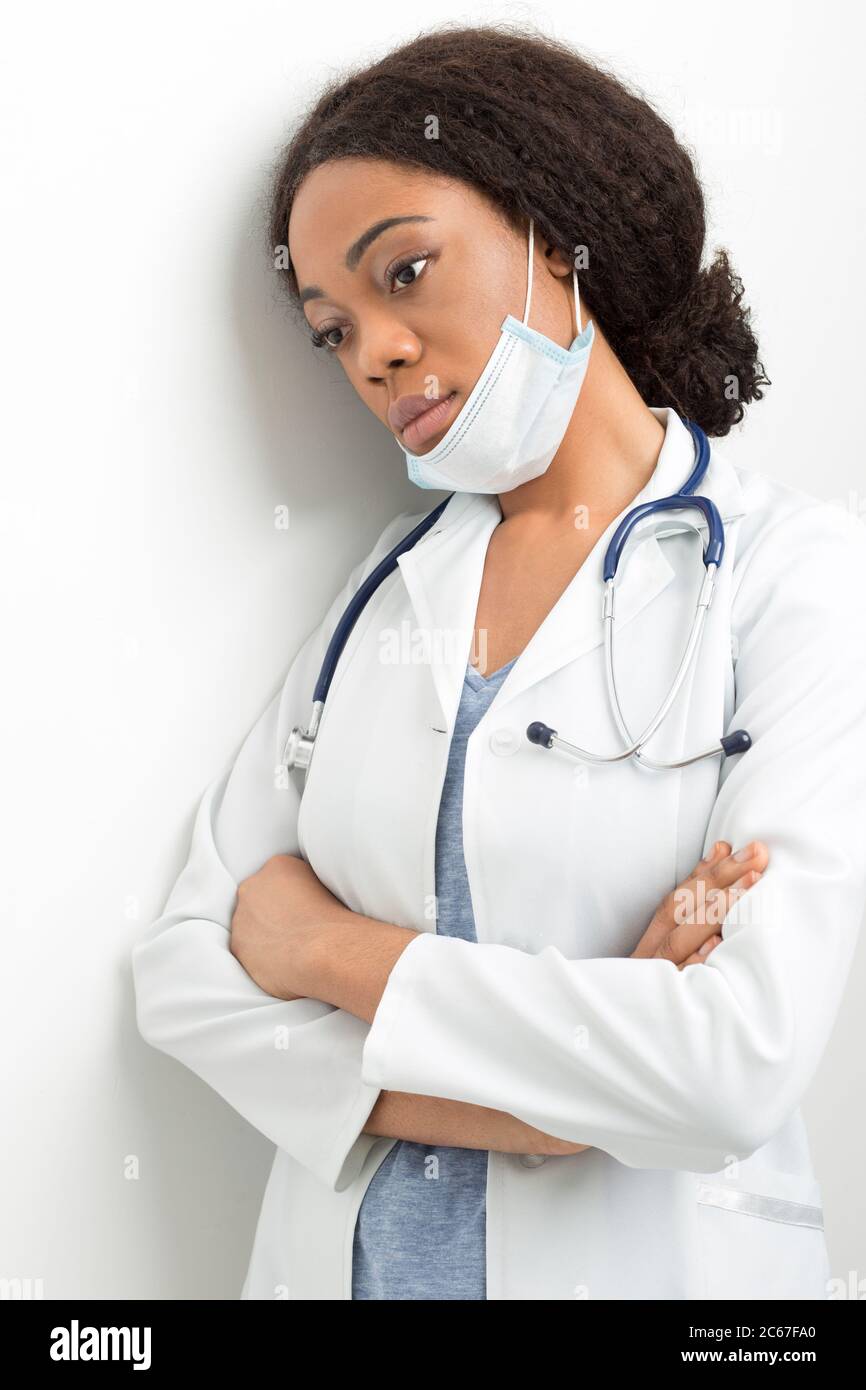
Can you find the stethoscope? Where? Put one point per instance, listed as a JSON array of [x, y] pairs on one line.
[[300, 743]]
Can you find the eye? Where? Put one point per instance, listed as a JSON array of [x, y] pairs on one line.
[[319, 337], [407, 263]]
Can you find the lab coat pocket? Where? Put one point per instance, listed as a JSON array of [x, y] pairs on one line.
[[761, 1235]]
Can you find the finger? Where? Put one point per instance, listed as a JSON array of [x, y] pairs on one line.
[[721, 869], [726, 868], [698, 957], [713, 906], [719, 851], [697, 900], [705, 870], [704, 918]]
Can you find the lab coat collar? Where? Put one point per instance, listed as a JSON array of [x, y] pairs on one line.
[[443, 573]]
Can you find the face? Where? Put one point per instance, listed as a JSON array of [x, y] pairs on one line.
[[406, 277]]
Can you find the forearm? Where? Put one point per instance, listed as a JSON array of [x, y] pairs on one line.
[[434, 1120], [346, 961], [347, 965]]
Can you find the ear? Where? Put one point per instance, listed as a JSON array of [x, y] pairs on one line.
[[560, 266], [557, 263]]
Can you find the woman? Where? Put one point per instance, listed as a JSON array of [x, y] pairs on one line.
[[456, 984]]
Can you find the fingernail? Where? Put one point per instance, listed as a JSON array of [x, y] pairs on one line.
[[702, 950], [746, 853], [711, 854]]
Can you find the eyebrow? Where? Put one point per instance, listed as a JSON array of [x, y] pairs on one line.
[[357, 249]]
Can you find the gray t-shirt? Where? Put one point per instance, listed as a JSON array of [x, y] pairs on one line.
[[421, 1228]]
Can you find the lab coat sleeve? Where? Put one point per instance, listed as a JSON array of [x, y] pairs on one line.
[[290, 1067], [668, 1068]]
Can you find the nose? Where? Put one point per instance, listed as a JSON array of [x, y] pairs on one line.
[[384, 345]]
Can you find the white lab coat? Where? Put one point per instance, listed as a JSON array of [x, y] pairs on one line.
[[686, 1083]]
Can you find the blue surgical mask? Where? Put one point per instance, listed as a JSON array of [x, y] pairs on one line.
[[512, 424]]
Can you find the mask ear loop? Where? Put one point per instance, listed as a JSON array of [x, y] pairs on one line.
[[577, 324], [576, 300], [529, 273]]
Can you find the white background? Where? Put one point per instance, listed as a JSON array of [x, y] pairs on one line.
[[158, 405]]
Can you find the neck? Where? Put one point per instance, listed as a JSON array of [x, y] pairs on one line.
[[608, 454]]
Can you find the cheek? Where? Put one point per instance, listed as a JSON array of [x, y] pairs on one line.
[[468, 317], [466, 350]]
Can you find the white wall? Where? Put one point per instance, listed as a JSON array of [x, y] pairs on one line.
[[160, 405]]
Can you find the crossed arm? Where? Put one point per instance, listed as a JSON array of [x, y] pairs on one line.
[[296, 940], [322, 950], [679, 1075]]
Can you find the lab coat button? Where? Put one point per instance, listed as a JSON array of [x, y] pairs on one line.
[[504, 741], [533, 1160]]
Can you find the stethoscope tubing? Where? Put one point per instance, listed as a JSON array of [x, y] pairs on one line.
[[299, 746], [738, 741]]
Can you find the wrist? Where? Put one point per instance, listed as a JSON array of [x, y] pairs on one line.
[[348, 960], [319, 946]]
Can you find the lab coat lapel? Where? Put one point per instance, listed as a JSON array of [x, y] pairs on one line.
[[443, 573]]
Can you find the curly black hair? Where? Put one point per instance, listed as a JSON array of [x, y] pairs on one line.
[[543, 132]]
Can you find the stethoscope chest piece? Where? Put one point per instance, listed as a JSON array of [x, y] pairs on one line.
[[301, 743]]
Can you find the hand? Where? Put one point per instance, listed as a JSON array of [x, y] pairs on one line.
[[280, 911], [682, 929]]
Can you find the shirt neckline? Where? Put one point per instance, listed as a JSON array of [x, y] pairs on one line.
[[480, 682]]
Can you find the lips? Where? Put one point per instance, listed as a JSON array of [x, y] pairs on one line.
[[428, 416], [407, 408]]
